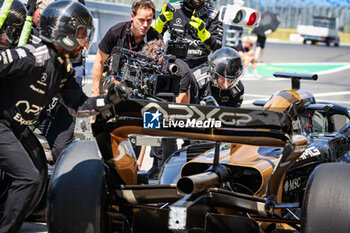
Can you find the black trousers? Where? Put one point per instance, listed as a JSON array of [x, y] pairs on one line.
[[161, 154], [59, 131], [16, 163]]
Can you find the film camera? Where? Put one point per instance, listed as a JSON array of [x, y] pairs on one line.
[[143, 75]]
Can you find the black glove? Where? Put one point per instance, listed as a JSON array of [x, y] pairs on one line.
[[116, 94], [31, 6]]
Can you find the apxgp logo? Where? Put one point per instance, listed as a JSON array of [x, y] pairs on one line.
[[151, 120]]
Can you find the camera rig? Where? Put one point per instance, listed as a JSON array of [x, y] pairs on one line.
[[144, 76]]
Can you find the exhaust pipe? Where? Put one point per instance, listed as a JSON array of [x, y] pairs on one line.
[[203, 181]]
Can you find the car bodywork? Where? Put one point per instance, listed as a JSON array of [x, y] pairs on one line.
[[251, 179]]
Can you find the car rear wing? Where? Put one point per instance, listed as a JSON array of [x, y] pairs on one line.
[[198, 122], [295, 77]]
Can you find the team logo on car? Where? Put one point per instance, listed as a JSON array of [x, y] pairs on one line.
[[151, 120]]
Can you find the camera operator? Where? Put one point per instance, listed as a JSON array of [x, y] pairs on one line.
[[188, 94], [225, 70], [197, 21], [188, 86], [131, 35]]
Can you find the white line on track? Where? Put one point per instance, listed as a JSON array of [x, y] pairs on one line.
[[332, 93], [339, 93]]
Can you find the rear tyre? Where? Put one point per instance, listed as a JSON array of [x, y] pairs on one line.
[[77, 194], [326, 205]]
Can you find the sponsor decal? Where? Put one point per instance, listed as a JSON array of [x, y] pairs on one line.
[[21, 53], [35, 109], [41, 83], [292, 184], [195, 43], [178, 22], [299, 148], [9, 55], [309, 152], [4, 58], [225, 99], [296, 124], [18, 117], [68, 42], [195, 51], [28, 108], [190, 117], [43, 77], [38, 90]]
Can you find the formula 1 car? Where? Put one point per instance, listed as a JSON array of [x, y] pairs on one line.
[[282, 168]]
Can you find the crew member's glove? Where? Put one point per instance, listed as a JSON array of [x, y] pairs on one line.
[[31, 6], [116, 94], [199, 24], [164, 17]]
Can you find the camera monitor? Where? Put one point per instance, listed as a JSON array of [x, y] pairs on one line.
[[167, 86]]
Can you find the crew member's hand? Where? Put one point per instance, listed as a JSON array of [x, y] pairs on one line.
[[116, 94], [164, 17], [199, 24], [31, 6]]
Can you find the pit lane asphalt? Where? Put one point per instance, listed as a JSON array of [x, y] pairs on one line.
[[332, 86]]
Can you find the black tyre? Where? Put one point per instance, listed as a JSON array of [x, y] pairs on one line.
[[37, 154], [326, 205], [77, 191]]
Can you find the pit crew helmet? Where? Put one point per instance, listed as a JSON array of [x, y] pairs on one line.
[[227, 64], [199, 3], [60, 22], [13, 23]]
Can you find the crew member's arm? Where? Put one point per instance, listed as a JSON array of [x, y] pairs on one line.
[[74, 99], [211, 33], [216, 29], [16, 63], [165, 16], [238, 92], [183, 97], [97, 71], [79, 105], [185, 82]]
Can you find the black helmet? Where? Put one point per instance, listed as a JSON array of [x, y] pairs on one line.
[[14, 21], [227, 63], [60, 21]]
